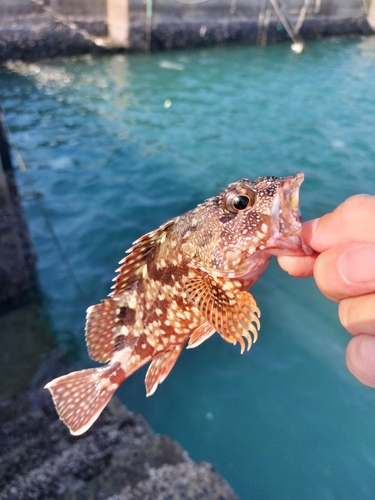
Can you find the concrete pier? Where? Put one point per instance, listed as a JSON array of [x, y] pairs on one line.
[[371, 14], [186, 24], [31, 31], [17, 259]]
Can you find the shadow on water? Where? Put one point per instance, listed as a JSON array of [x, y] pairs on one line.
[[26, 342]]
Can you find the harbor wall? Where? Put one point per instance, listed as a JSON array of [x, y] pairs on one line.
[[49, 28], [165, 24], [17, 259], [174, 23]]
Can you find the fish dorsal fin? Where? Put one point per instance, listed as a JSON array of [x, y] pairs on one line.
[[109, 324], [160, 368], [200, 334], [132, 265], [108, 327], [226, 307]]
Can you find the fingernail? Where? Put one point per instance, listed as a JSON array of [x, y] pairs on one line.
[[357, 265]]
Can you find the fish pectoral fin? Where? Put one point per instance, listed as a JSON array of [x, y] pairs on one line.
[[160, 368], [200, 334], [226, 307], [81, 396]]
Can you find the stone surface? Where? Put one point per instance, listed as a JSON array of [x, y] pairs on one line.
[[176, 33], [119, 458], [184, 481], [41, 35]]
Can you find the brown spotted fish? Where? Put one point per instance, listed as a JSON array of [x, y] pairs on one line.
[[183, 282]]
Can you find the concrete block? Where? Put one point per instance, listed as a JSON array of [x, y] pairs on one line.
[[118, 22]]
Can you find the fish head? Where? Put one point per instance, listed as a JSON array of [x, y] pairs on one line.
[[267, 215], [240, 228]]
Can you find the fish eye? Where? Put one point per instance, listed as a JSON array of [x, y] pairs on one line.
[[241, 202], [236, 202]]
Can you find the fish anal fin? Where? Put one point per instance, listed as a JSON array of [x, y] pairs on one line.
[[160, 368], [132, 265], [81, 396], [200, 334], [105, 323], [230, 310]]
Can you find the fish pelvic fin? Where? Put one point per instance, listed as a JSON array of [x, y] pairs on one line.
[[81, 396], [200, 334]]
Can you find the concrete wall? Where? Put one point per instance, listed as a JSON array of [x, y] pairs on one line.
[[181, 8], [12, 8], [17, 259], [215, 8], [165, 24], [89, 8], [187, 23], [371, 13]]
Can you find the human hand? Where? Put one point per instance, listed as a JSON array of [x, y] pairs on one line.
[[344, 271]]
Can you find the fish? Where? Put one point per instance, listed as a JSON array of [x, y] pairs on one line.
[[180, 284]]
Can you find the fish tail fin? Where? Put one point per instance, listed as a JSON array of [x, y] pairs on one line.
[[81, 396]]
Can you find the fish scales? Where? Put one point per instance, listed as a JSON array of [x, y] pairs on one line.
[[182, 283]]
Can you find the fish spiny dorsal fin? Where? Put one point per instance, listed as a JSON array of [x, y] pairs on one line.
[[108, 327], [109, 324], [228, 309], [200, 334], [160, 368], [133, 264]]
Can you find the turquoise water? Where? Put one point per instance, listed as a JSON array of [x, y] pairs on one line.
[[116, 146]]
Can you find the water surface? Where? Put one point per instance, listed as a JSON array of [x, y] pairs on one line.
[[115, 146]]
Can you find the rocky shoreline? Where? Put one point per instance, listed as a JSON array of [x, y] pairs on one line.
[[120, 458]]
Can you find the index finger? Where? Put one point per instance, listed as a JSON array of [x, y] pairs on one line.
[[353, 220]]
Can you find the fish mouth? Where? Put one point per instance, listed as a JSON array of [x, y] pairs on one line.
[[285, 220]]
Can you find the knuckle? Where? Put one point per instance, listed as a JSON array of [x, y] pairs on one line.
[[326, 277], [355, 206]]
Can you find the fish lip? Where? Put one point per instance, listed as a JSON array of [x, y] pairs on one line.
[[285, 220]]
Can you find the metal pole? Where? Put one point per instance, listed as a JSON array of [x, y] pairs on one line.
[[297, 45], [149, 9]]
